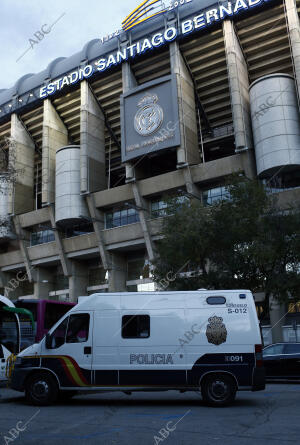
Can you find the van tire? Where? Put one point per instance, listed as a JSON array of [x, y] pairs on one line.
[[218, 390], [41, 389]]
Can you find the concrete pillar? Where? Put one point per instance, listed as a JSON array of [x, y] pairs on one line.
[[294, 34], [277, 319], [129, 82], [23, 238], [92, 142], [98, 222], [128, 79], [249, 163], [188, 152], [239, 88], [13, 284], [55, 136], [78, 281], [144, 216], [65, 262], [117, 274], [21, 160], [44, 283]]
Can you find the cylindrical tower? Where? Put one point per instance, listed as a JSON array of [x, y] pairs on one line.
[[275, 123], [70, 207]]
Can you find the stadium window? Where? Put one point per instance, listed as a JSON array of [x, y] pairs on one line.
[[215, 195], [41, 237], [121, 217], [161, 208], [158, 208]]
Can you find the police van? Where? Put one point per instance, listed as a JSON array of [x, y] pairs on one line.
[[187, 341]]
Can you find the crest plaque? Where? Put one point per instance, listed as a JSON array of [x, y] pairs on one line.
[[216, 331]]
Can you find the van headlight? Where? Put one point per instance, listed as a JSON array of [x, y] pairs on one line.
[[18, 361]]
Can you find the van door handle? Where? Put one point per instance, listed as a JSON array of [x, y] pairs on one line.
[[87, 350]]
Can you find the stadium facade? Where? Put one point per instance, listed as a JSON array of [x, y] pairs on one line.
[[173, 103]]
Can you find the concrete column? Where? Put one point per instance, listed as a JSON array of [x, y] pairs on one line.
[[239, 88], [78, 281], [55, 136], [294, 34], [92, 142], [129, 82], [190, 186], [117, 274], [23, 238], [21, 159], [277, 319], [65, 262], [43, 283], [249, 163], [143, 215], [98, 223], [188, 152], [12, 283]]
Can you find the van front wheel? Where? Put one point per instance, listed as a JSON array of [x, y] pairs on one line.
[[41, 389], [218, 390]]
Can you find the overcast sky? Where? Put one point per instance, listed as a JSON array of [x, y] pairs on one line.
[[83, 20]]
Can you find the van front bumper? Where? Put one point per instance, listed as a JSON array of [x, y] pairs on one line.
[[259, 379], [18, 378]]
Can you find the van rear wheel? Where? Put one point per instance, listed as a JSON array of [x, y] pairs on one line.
[[218, 390], [41, 389]]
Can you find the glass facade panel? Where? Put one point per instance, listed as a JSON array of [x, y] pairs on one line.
[[121, 217], [42, 237], [158, 209], [214, 195]]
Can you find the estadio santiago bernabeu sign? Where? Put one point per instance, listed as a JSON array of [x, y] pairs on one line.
[[201, 20], [149, 118]]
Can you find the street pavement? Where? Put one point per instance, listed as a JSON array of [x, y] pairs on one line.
[[261, 418]]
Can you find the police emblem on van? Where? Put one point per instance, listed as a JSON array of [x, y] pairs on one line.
[[149, 117], [216, 331]]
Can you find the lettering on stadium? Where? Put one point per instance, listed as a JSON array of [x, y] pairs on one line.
[[187, 26]]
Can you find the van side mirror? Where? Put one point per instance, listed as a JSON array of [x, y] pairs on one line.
[[48, 341]]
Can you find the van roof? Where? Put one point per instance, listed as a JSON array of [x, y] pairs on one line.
[[148, 300]]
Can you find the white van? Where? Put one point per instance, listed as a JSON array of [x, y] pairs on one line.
[[186, 341]]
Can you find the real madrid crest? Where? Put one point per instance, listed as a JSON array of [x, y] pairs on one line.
[[150, 115], [216, 331]]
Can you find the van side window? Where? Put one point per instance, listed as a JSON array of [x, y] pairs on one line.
[[216, 300], [292, 348], [136, 326], [78, 328], [59, 335]]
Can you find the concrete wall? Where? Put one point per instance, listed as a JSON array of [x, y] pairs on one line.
[[92, 142], [55, 136], [78, 281], [188, 152], [239, 87], [21, 155], [294, 36]]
